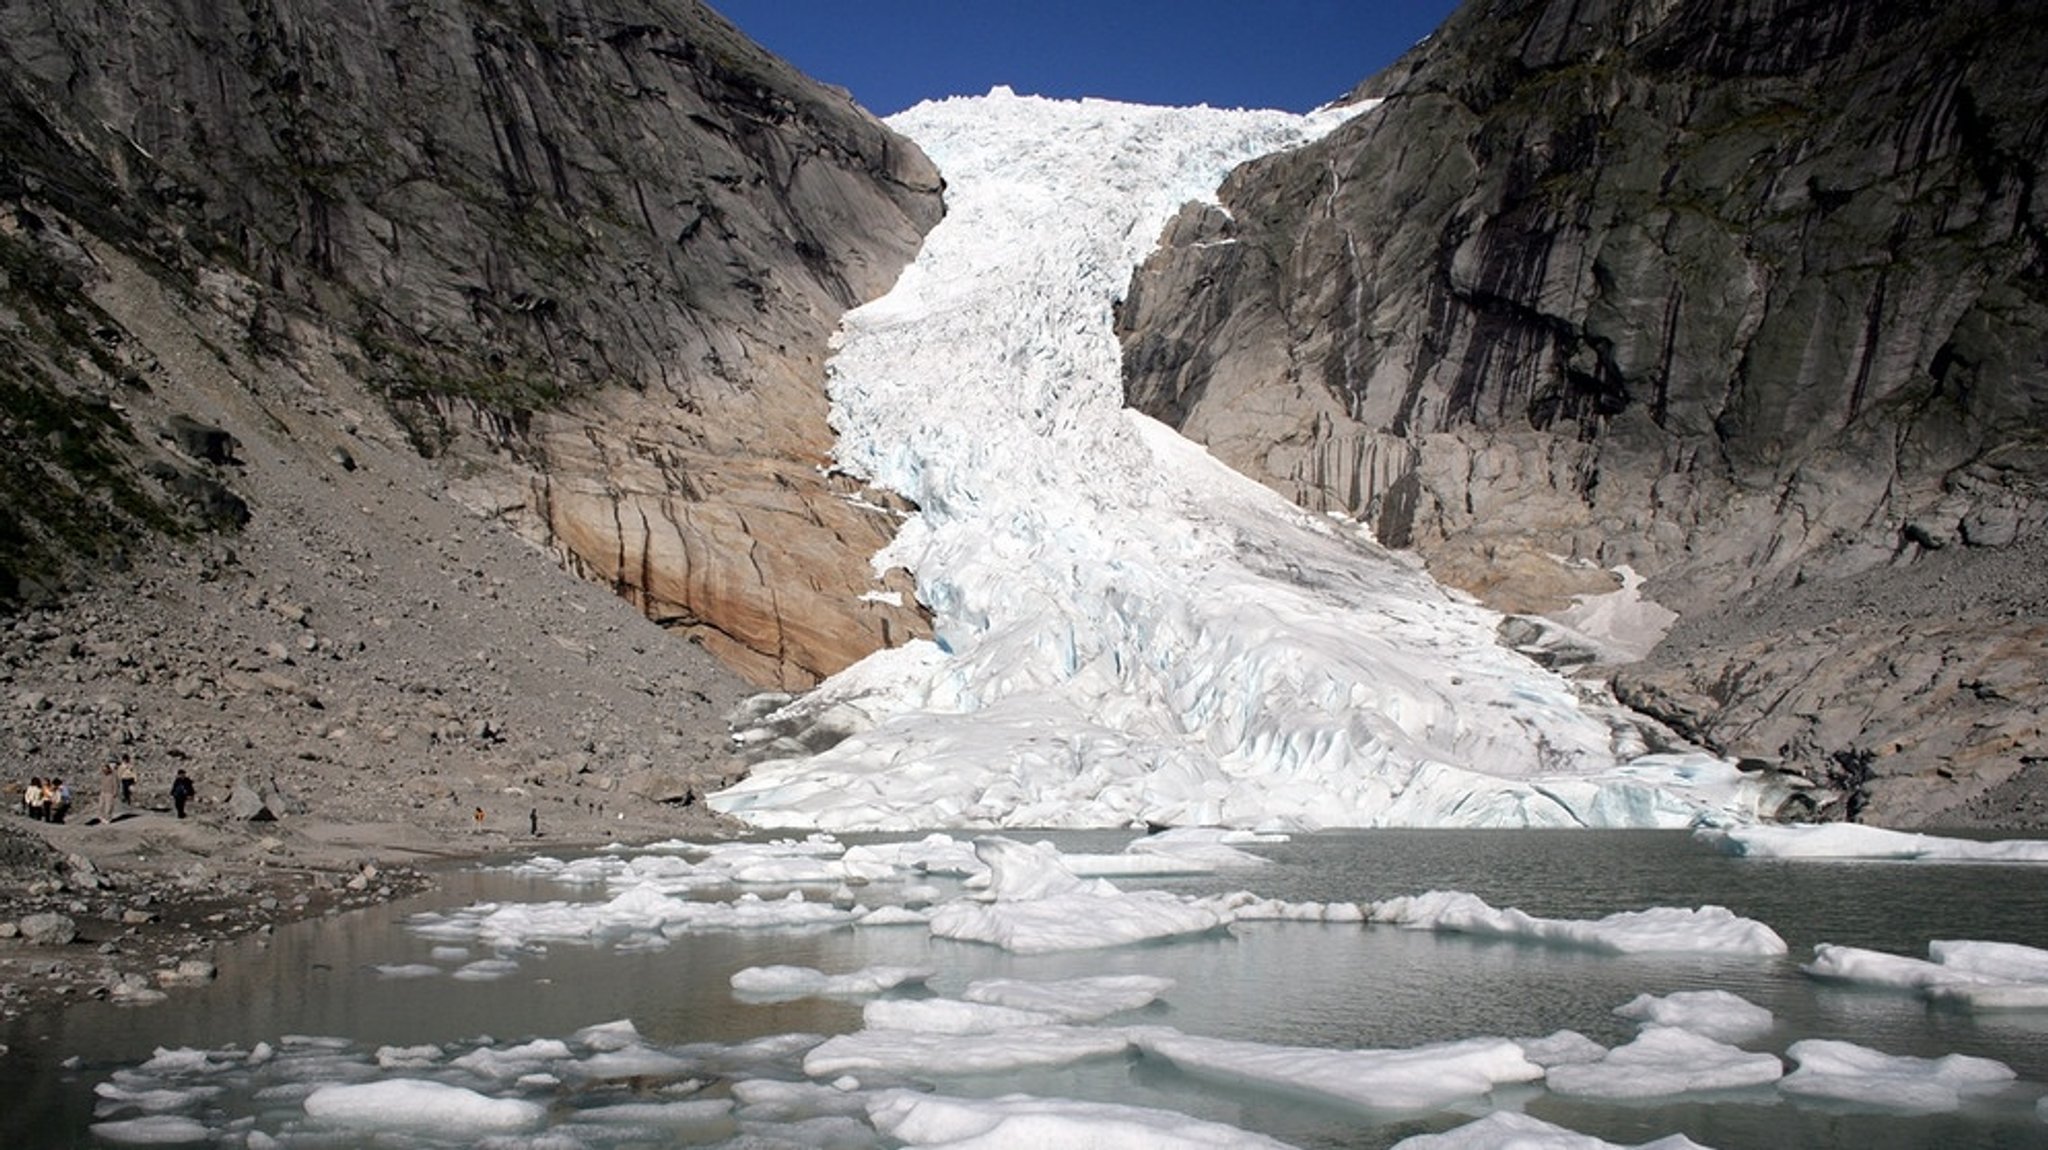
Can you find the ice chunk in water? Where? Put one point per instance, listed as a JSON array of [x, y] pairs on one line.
[[1028, 1123], [1507, 1131], [1856, 841], [1663, 929], [1846, 1072], [1417, 1078], [1665, 1060], [948, 1016], [902, 1052], [411, 1103], [1073, 999], [153, 1130], [784, 983], [1714, 1013]]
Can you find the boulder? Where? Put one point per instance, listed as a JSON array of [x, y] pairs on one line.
[[48, 929], [663, 785], [247, 804]]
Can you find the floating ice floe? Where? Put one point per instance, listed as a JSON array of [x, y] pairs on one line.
[[1856, 841], [1038, 906], [1696, 930], [1022, 1122], [1416, 1078], [153, 1130], [420, 1104], [949, 1016], [786, 983], [904, 1053], [400, 970], [1664, 1061], [636, 913], [1717, 1014], [1846, 1072], [1983, 976], [1073, 999], [1503, 1130]]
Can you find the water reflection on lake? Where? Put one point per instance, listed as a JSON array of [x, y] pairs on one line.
[[1274, 982]]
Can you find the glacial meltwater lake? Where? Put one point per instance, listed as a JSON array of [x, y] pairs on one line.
[[310, 1007]]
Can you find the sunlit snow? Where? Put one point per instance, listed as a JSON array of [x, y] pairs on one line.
[[1126, 630]]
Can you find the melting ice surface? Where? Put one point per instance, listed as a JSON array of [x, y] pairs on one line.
[[1126, 630]]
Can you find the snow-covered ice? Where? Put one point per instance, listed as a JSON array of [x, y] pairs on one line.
[[1658, 930], [1856, 841], [1126, 630], [1846, 1072], [1416, 1078]]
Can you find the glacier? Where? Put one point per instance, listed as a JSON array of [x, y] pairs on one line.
[[1125, 630]]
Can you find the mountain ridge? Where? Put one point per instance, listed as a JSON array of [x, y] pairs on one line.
[[1744, 296]]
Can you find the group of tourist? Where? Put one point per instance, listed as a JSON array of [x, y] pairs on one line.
[[49, 800]]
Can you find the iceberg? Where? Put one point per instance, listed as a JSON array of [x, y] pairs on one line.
[[1658, 930], [1126, 631]]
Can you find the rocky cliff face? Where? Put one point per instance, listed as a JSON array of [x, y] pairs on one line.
[[588, 251], [1749, 294]]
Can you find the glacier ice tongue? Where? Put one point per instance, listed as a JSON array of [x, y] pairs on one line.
[[1125, 629]]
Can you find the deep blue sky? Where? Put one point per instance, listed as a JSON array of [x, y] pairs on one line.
[[1293, 54]]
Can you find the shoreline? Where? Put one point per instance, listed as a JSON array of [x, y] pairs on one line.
[[156, 901]]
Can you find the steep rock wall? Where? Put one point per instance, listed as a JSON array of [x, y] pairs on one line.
[[1748, 295], [590, 251]]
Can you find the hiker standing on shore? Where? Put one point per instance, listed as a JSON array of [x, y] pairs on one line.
[[182, 791], [126, 773], [32, 798], [110, 789]]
